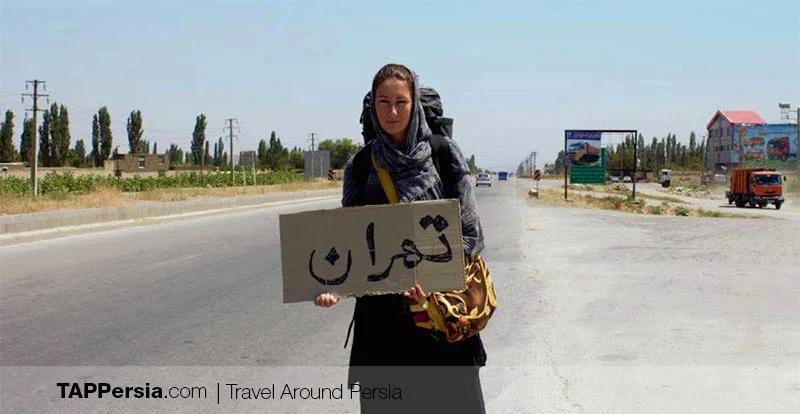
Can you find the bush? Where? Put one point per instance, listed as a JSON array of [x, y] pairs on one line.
[[706, 213], [67, 183], [15, 186], [682, 211]]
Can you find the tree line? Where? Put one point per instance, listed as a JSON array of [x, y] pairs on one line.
[[57, 150]]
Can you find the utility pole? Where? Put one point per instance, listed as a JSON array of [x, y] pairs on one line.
[[230, 131], [313, 155], [34, 156], [530, 166]]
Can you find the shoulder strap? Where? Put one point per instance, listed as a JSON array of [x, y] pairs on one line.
[[386, 182], [442, 159]]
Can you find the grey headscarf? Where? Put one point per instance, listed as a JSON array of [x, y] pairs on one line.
[[411, 169], [414, 175]]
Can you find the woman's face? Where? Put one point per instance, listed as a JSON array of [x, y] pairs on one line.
[[393, 106]]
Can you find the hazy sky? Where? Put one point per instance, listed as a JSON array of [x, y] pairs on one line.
[[510, 73]]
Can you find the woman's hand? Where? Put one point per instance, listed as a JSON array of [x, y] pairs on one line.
[[415, 293], [326, 300]]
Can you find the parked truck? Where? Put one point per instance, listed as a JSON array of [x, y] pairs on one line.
[[664, 177], [756, 187]]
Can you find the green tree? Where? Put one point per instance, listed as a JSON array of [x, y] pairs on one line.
[[199, 139], [558, 165], [96, 157], [473, 168], [175, 154], [277, 157], [45, 151], [297, 159], [219, 149], [134, 128], [341, 150], [80, 152], [261, 154], [25, 140], [105, 135], [60, 139], [7, 151]]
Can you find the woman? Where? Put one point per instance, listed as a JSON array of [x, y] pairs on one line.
[[386, 341]]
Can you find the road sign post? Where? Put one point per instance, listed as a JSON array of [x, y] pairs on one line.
[[537, 175]]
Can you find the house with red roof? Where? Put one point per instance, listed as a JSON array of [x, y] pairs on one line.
[[721, 148]]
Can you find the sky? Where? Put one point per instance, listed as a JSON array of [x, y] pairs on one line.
[[514, 75]]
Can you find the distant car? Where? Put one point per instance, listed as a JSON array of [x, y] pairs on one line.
[[483, 179], [626, 179]]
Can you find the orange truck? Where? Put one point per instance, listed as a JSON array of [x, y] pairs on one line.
[[756, 187]]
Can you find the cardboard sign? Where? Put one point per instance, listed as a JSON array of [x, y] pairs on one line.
[[371, 250]]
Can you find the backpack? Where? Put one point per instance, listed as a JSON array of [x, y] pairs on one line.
[[440, 126]]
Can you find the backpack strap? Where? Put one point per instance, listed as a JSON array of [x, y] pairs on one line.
[[361, 165], [443, 159]]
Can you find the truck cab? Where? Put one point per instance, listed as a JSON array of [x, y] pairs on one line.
[[664, 178]]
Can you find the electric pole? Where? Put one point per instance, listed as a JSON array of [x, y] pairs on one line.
[[314, 155], [34, 156], [230, 131]]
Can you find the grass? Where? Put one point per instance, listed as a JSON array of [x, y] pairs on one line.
[[620, 189], [113, 197], [628, 205]]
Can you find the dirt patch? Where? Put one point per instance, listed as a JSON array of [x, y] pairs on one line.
[[697, 191], [102, 197], [107, 197]]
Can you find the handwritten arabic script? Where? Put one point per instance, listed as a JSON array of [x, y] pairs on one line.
[[409, 253]]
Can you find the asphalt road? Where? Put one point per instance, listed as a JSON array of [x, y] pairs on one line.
[[599, 312]]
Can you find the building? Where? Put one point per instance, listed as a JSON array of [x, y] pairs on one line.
[[137, 163], [721, 148]]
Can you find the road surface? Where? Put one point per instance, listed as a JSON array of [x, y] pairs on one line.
[[599, 312]]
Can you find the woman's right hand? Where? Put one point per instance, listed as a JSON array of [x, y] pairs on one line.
[[326, 300]]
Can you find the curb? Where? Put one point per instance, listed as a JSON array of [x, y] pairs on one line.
[[55, 220]]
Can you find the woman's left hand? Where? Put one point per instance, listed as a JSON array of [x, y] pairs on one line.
[[415, 293]]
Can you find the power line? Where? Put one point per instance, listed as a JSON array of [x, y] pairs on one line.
[[34, 156], [313, 140]]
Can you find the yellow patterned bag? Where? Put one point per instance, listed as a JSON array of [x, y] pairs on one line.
[[456, 314]]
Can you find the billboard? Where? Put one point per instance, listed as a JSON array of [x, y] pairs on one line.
[[590, 174], [247, 158], [317, 163], [583, 148], [776, 142]]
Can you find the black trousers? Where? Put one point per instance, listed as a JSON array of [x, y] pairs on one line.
[[389, 390]]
